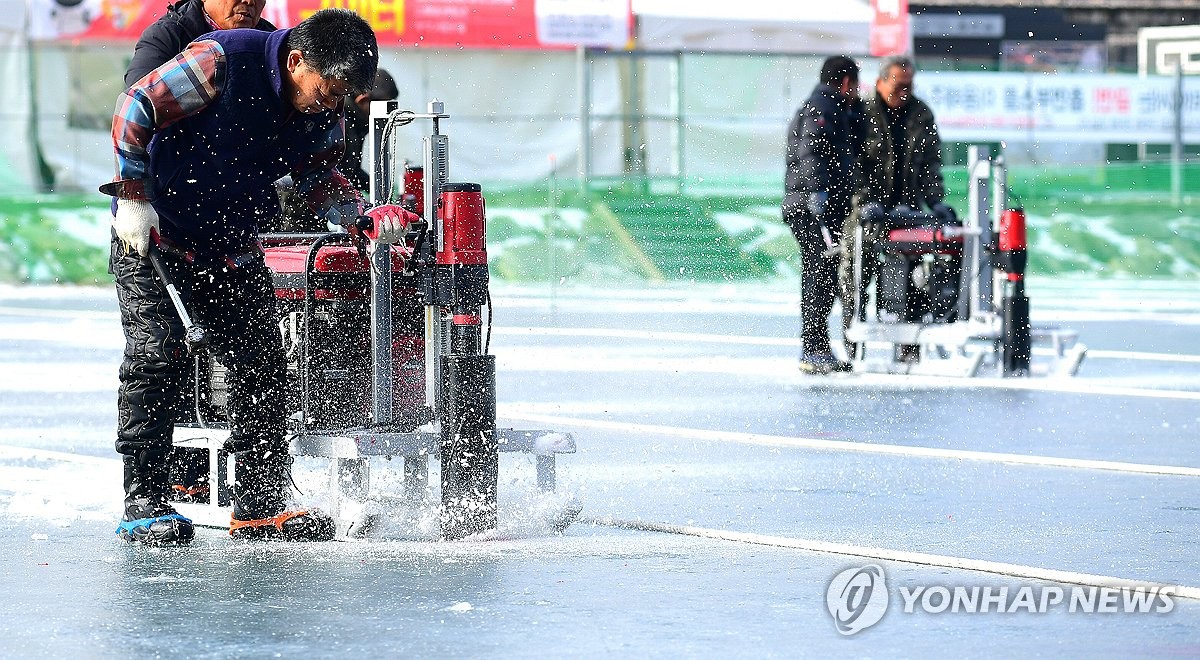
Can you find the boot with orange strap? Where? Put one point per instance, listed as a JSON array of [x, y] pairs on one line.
[[261, 490]]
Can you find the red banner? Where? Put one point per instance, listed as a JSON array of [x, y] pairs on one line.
[[531, 24], [890, 31]]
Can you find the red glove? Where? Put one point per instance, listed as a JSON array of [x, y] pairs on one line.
[[390, 223]]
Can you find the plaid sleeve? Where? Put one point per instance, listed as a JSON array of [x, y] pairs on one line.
[[317, 178], [176, 90]]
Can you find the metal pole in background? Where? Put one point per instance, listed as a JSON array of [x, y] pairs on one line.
[[680, 123], [584, 72], [551, 223], [975, 287], [1177, 138]]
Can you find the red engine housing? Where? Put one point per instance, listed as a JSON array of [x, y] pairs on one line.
[[335, 352]]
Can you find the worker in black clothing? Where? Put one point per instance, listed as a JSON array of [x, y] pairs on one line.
[[900, 167], [357, 116], [823, 143], [159, 43], [184, 21]]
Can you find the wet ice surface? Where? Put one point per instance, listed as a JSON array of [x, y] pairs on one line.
[[642, 405]]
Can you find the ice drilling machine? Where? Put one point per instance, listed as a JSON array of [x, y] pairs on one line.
[[949, 294], [387, 354]]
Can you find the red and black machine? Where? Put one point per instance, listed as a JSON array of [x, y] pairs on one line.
[[949, 297], [388, 353]]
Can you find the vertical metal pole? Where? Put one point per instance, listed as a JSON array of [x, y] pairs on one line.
[[551, 224], [436, 174], [381, 171], [381, 276], [1177, 138], [973, 283], [680, 123], [988, 233], [584, 73]]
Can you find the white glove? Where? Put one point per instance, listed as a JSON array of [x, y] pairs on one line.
[[133, 222]]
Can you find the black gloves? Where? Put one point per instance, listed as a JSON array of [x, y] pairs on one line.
[[943, 212]]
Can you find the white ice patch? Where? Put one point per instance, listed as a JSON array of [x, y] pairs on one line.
[[551, 443], [523, 511], [163, 578], [59, 492], [59, 378]]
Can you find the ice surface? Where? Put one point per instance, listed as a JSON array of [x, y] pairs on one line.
[[682, 375]]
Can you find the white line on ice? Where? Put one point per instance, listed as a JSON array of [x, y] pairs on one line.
[[1142, 355], [584, 359], [791, 342], [653, 335], [885, 554], [26, 453], [860, 447], [39, 312]]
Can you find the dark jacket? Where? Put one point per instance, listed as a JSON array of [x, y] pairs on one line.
[[167, 37], [821, 153], [917, 170], [215, 170], [351, 165]]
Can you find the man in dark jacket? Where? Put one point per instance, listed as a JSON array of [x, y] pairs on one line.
[[296, 216], [901, 165], [357, 115], [199, 142], [822, 149], [184, 21]]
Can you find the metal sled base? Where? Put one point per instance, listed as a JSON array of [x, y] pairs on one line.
[[964, 349], [350, 452]]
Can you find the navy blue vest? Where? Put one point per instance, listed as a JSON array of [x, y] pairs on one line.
[[213, 173]]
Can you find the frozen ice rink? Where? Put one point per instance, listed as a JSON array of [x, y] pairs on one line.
[[722, 493]]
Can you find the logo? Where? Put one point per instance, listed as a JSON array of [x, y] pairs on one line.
[[857, 598]]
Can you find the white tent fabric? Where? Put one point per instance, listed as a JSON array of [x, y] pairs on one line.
[[516, 114], [799, 27], [16, 153]]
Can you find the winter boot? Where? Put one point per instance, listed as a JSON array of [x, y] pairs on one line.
[[260, 503], [822, 363], [148, 518], [188, 475]]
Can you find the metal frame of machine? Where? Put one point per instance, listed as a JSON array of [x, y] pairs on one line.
[[991, 331], [458, 427]]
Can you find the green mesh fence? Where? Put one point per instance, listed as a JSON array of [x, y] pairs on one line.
[[1115, 220]]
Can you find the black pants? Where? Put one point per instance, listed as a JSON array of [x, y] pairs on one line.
[[818, 279], [236, 306]]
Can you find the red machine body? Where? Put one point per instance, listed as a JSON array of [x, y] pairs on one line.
[[413, 197], [463, 229], [1012, 243], [336, 345], [291, 259], [925, 240]]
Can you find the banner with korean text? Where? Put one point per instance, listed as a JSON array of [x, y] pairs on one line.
[[1116, 108], [524, 24]]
